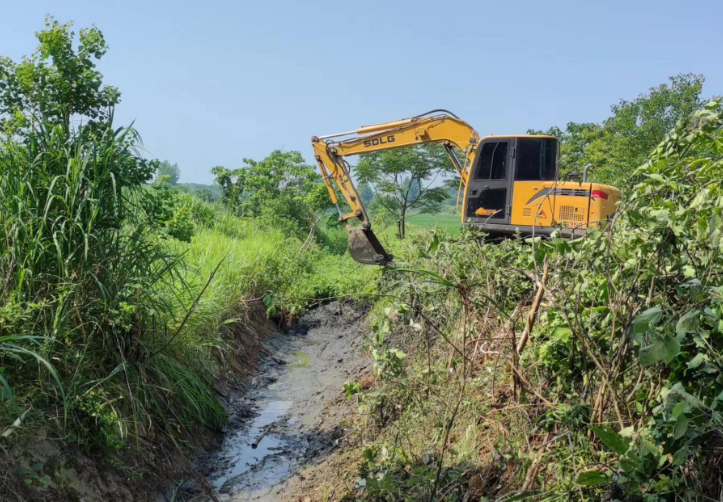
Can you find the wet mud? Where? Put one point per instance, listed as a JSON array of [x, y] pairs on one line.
[[293, 416]]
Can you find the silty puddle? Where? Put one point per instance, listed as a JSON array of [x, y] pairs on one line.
[[285, 423]]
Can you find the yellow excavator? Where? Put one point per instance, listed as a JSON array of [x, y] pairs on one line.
[[509, 184]]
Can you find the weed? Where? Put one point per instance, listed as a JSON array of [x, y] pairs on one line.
[[34, 475]]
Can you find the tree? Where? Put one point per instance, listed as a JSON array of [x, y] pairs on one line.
[[622, 142], [281, 188], [57, 94], [165, 168], [403, 180], [366, 194], [205, 194], [57, 83], [232, 183]]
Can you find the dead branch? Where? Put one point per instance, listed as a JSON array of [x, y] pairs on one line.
[[527, 384], [532, 315]]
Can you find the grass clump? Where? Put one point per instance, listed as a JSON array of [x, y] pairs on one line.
[[83, 266]]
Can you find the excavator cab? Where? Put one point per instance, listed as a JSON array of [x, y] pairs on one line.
[[514, 188], [501, 162]]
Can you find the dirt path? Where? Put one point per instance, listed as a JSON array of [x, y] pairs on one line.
[[292, 417]]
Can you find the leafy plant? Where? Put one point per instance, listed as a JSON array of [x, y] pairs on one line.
[[617, 394], [351, 389], [34, 475], [387, 360], [280, 190], [57, 83]]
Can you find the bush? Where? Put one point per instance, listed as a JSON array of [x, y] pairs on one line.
[[618, 392]]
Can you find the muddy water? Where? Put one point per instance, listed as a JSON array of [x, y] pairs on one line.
[[255, 448], [293, 415]]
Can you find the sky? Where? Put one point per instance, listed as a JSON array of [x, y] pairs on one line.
[[212, 82]]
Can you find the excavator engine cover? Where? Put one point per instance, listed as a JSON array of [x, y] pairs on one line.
[[365, 248]]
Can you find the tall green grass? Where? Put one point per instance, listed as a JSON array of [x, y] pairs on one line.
[[264, 262], [107, 322], [86, 276]]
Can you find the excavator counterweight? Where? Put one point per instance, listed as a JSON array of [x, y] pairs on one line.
[[508, 184]]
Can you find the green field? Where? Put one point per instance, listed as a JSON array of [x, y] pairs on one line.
[[450, 223]]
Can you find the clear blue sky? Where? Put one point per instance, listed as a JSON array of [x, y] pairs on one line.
[[211, 82]]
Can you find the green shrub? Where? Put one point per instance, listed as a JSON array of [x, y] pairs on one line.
[[621, 379]]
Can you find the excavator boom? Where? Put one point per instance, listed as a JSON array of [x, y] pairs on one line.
[[438, 126]]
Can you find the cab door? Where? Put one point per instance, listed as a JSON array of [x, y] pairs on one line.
[[489, 192]]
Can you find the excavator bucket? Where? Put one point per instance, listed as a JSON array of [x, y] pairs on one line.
[[365, 248]]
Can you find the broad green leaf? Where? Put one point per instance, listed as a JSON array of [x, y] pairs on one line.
[[662, 215], [433, 245], [680, 456], [690, 399], [681, 427], [689, 322], [715, 220], [627, 432], [672, 348], [651, 354], [592, 478], [697, 361], [612, 439], [645, 319], [562, 333], [663, 349], [678, 409], [715, 238]]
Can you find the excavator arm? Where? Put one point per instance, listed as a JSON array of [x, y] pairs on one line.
[[330, 151]]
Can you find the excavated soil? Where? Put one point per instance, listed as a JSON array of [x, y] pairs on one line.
[[293, 416]]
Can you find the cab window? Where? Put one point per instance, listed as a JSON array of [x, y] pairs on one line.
[[536, 159], [492, 164]]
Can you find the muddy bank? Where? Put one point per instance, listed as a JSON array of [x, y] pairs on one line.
[[293, 416], [38, 462], [284, 395]]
